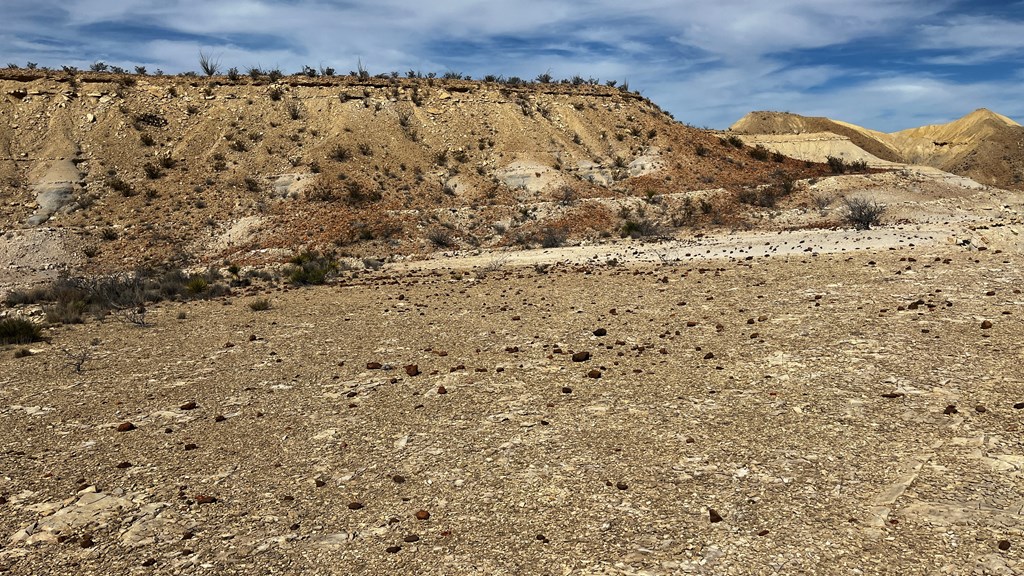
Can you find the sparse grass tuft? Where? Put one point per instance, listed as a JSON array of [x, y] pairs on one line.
[[19, 331], [260, 305]]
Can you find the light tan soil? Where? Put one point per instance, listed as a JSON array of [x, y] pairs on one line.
[[820, 430]]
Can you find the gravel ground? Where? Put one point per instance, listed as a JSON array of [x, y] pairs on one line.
[[796, 413]]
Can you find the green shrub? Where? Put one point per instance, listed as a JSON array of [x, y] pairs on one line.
[[311, 267], [197, 285], [19, 331]]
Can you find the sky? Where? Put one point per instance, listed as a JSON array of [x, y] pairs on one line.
[[882, 64]]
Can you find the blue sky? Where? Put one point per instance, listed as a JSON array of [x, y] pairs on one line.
[[883, 64]]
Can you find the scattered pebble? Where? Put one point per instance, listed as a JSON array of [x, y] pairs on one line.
[[582, 356], [125, 427], [422, 515]]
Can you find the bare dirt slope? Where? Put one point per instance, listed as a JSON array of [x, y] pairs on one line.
[[983, 145]]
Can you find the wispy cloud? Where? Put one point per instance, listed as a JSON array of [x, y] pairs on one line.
[[708, 63]]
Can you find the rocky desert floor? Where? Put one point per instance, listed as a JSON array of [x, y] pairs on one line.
[[811, 402]]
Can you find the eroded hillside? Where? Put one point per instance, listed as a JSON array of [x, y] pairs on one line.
[[116, 171]]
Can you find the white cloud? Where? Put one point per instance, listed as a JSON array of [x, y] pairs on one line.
[[707, 62]]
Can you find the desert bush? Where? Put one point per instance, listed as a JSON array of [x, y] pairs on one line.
[[276, 93], [65, 312], [19, 331], [822, 201], [702, 150], [863, 213], [441, 237], [118, 185], [260, 305], [147, 140], [778, 157], [759, 152], [109, 234], [858, 165], [311, 267], [168, 162], [252, 184], [238, 145], [356, 194], [764, 197], [294, 109], [639, 228], [836, 164], [340, 153], [322, 190], [152, 171], [197, 285], [552, 236], [735, 141], [30, 296]]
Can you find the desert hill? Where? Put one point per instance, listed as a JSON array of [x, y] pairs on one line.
[[983, 145], [782, 123], [113, 171]]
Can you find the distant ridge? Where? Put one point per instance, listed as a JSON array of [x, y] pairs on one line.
[[983, 145]]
